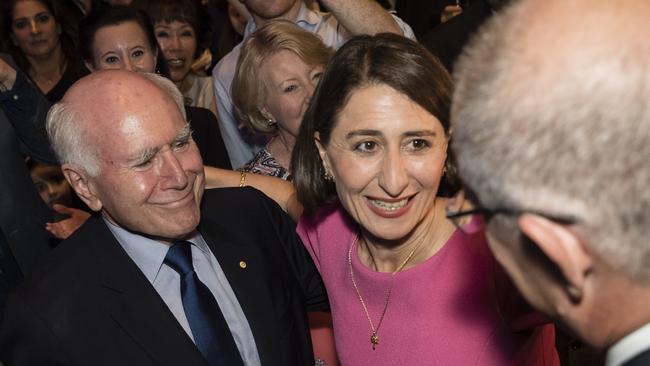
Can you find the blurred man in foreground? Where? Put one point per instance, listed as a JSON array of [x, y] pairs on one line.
[[552, 136]]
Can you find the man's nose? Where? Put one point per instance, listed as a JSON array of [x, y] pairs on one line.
[[172, 173]]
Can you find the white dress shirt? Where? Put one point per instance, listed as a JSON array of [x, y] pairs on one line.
[[629, 346]]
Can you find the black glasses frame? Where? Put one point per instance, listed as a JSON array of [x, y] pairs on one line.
[[488, 213]]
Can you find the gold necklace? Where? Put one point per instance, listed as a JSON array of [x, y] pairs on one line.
[[374, 337]]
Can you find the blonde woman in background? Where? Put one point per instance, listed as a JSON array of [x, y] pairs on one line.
[[278, 69]]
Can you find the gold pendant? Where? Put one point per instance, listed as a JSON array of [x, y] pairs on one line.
[[374, 339]]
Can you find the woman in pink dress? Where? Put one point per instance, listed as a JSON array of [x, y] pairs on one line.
[[405, 286]]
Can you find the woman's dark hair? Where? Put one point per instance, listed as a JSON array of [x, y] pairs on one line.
[[386, 59], [68, 36], [167, 11], [116, 15]]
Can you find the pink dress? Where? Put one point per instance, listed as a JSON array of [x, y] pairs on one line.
[[456, 308]]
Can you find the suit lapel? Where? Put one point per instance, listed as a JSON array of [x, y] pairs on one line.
[[136, 306], [241, 264]]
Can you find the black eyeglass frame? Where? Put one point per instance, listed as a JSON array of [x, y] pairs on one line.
[[488, 213]]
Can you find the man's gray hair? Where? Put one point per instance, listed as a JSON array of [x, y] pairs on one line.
[[555, 118], [69, 138]]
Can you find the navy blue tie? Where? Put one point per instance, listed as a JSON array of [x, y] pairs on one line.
[[209, 328]]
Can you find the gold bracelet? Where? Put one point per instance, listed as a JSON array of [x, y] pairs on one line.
[[242, 179]]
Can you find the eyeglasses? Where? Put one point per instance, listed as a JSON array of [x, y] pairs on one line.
[[458, 218]]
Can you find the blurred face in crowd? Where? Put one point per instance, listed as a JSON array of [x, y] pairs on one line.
[[123, 46], [177, 41], [271, 9], [151, 174], [51, 184], [386, 155], [34, 29], [290, 83]]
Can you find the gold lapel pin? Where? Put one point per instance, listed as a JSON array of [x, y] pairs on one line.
[[242, 264]]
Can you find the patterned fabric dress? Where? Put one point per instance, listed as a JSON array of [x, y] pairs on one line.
[[264, 163]]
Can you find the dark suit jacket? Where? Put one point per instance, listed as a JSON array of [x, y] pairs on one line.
[[643, 359], [89, 304], [23, 214]]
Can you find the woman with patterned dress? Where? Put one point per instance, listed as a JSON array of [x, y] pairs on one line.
[[278, 69]]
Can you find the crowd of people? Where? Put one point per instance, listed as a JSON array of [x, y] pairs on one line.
[[294, 182]]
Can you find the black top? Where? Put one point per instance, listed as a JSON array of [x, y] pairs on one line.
[[421, 15], [207, 136], [447, 40], [75, 70]]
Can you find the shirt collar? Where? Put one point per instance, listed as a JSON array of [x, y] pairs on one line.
[[149, 254], [629, 346], [308, 16]]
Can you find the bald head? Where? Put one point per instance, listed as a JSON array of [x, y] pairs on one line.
[[550, 114], [100, 102], [111, 91]]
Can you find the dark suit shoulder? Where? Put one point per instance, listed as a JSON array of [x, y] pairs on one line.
[[280, 281], [248, 218], [236, 202], [69, 267], [89, 304]]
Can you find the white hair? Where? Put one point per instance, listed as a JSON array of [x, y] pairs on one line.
[[69, 139], [561, 124]]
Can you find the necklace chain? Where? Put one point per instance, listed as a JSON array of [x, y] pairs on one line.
[[374, 337]]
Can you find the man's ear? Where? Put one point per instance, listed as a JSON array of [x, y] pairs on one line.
[[323, 154], [80, 182], [562, 247]]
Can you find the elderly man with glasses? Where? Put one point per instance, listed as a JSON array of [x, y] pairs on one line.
[[552, 138]]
